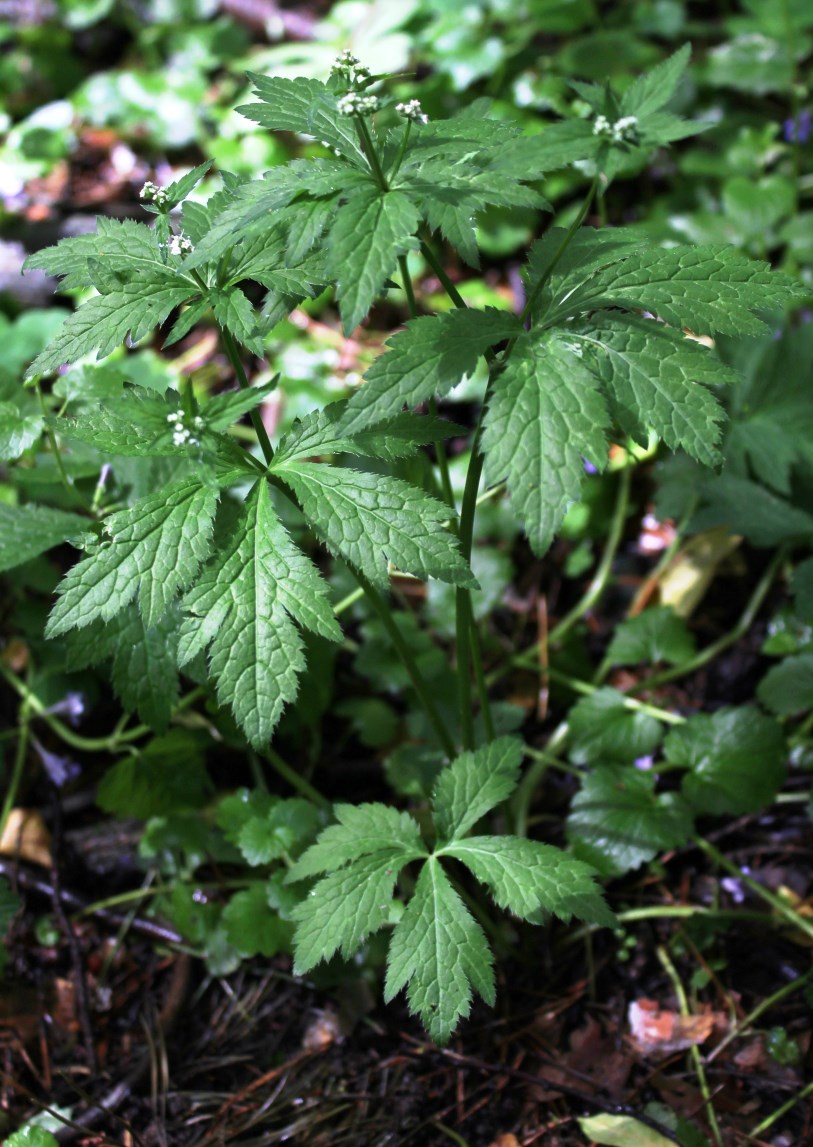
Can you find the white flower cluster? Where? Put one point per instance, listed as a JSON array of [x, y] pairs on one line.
[[624, 130], [179, 244], [350, 68], [183, 434], [412, 111], [356, 104], [153, 193]]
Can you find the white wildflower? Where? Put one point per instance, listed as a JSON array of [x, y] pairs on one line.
[[412, 111], [183, 428], [153, 194], [351, 70], [355, 104], [179, 244], [625, 128]]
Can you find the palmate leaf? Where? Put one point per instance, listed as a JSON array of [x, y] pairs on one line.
[[657, 634], [545, 416], [305, 106], [368, 234], [617, 821], [439, 952], [244, 608], [371, 520], [144, 661], [346, 907], [361, 830], [652, 376], [473, 785], [524, 876], [103, 322], [28, 531], [735, 758], [119, 246], [428, 358], [153, 549], [603, 729], [708, 289], [321, 433]]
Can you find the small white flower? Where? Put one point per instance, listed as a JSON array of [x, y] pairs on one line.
[[602, 126], [179, 244], [351, 70], [412, 111], [153, 194], [625, 128], [355, 104]]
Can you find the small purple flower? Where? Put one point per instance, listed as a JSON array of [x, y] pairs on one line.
[[644, 763], [797, 129], [71, 706], [589, 468], [59, 769]]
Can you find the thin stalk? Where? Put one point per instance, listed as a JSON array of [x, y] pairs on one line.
[[717, 647], [544, 278], [765, 1005], [405, 653], [70, 488], [368, 147], [230, 347], [599, 580], [17, 768], [766, 1124], [694, 1051], [587, 689], [447, 284], [399, 159], [440, 449], [794, 918], [521, 800], [479, 675], [346, 602], [284, 770], [87, 744]]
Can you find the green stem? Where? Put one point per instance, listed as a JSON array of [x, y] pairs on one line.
[[70, 488], [599, 581], [521, 801], [368, 147], [544, 278], [794, 918], [694, 1051], [717, 647], [17, 768], [440, 449], [230, 346], [87, 744], [346, 602], [479, 675], [293, 778], [410, 664], [399, 159], [766, 1124], [447, 284], [587, 689], [765, 1005]]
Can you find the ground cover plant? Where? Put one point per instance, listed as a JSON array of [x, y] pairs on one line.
[[261, 586]]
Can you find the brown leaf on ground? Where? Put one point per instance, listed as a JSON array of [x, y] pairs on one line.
[[26, 836], [656, 1030], [593, 1058]]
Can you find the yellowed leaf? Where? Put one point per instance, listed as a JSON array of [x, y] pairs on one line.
[[26, 836]]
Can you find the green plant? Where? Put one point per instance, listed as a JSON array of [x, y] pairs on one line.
[[211, 569]]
